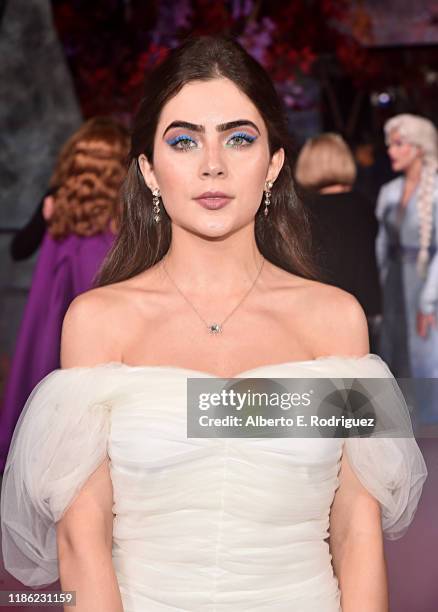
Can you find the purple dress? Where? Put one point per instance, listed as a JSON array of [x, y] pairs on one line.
[[64, 269]]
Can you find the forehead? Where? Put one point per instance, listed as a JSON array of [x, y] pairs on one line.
[[210, 103], [394, 135]]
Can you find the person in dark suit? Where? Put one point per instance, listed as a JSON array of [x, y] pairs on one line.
[[343, 223]]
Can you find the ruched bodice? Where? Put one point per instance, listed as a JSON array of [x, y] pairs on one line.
[[217, 524], [208, 524]]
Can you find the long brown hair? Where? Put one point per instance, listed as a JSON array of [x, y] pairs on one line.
[[283, 237], [87, 179]]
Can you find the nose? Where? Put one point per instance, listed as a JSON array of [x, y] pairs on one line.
[[212, 164]]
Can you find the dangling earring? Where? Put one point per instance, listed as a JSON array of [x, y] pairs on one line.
[[268, 187], [156, 202]]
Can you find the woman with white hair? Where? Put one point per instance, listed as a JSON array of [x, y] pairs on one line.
[[407, 249]]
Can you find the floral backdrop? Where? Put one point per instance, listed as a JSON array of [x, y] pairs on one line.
[[111, 44]]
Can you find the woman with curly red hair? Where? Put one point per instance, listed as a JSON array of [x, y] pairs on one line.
[[82, 214]]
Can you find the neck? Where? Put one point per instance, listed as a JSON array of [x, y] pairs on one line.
[[413, 172], [335, 189], [213, 267]]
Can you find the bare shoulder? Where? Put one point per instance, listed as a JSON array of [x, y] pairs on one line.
[[98, 320], [338, 321], [332, 321], [89, 328], [345, 321]]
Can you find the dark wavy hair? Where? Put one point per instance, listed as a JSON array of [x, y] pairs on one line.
[[283, 237]]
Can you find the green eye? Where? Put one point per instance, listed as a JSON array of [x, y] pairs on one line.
[[182, 142], [241, 139]]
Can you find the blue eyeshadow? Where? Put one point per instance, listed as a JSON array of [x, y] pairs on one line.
[[179, 138]]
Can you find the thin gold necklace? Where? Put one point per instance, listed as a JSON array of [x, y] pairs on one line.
[[214, 328]]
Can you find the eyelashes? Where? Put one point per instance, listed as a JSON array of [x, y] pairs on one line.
[[182, 142], [243, 137], [238, 140]]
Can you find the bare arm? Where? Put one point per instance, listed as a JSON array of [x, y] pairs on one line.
[[356, 540], [356, 545], [84, 533], [84, 539]]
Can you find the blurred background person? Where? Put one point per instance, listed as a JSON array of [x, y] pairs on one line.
[[27, 240], [407, 252], [82, 213], [342, 221]]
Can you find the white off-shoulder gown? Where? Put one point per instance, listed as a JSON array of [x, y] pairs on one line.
[[200, 524]]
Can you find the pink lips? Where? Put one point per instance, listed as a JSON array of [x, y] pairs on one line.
[[213, 200]]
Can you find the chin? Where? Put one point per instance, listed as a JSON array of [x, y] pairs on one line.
[[211, 229], [215, 229]]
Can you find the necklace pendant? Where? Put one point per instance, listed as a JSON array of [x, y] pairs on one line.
[[214, 328]]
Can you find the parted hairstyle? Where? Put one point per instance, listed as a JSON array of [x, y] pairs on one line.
[[283, 237], [325, 160], [87, 179]]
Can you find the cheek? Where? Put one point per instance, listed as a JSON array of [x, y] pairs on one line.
[[174, 172], [253, 182], [250, 170], [407, 153], [251, 162]]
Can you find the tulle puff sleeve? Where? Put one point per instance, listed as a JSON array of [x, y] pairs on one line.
[[60, 439], [389, 463]]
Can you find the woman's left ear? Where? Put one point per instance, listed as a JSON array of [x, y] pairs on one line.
[[275, 165]]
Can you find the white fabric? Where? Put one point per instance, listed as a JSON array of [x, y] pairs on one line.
[[208, 524]]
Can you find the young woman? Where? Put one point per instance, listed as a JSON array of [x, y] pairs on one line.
[[407, 254], [82, 213], [208, 278]]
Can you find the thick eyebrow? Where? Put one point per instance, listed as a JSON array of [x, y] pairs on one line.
[[222, 127], [231, 125]]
